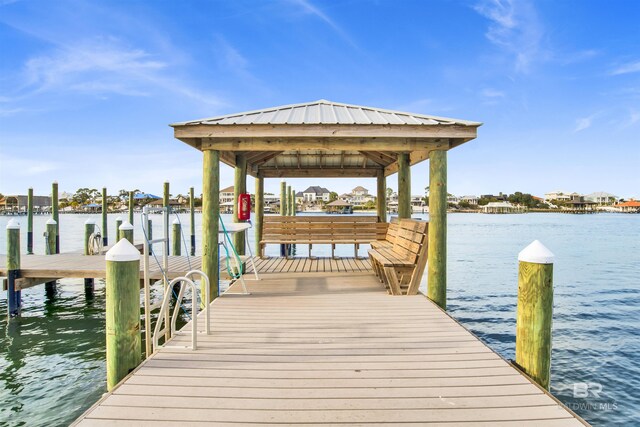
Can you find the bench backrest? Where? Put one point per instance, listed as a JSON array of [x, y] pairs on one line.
[[323, 228], [411, 242], [392, 230]]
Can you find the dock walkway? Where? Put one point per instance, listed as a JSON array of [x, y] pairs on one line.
[[327, 348]]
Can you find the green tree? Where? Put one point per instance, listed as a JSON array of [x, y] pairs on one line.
[[333, 196]]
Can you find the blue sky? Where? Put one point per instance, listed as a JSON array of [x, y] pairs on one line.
[[88, 87]]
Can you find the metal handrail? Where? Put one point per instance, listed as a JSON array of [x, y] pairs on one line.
[[164, 312], [207, 297]]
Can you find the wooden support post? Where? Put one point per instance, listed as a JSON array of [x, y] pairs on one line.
[[30, 221], [293, 202], [259, 210], [381, 199], [239, 187], [283, 211], [105, 211], [118, 224], [289, 204], [131, 207], [535, 309], [192, 219], [167, 207], [51, 235], [124, 341], [89, 229], [126, 231], [55, 214], [210, 220], [437, 252], [404, 186], [14, 297], [175, 238]]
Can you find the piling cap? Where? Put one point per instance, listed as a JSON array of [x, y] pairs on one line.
[[126, 226], [13, 225], [90, 222], [122, 251], [536, 253], [119, 218], [176, 221], [51, 221]]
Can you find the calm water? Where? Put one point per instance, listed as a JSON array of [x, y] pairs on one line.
[[52, 358]]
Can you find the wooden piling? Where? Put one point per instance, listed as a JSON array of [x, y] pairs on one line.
[[259, 211], [381, 199], [239, 187], [437, 251], [210, 220], [404, 186], [293, 202], [124, 342], [126, 231], [192, 219], [175, 238], [131, 207], [283, 211], [30, 221], [89, 229], [51, 235], [14, 297], [118, 224], [535, 309], [167, 207], [55, 214], [150, 234], [105, 211]]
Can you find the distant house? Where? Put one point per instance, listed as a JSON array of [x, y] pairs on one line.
[[18, 203], [472, 200], [601, 198], [360, 196], [316, 193], [578, 202], [502, 208], [557, 195], [226, 195], [631, 206], [452, 199]]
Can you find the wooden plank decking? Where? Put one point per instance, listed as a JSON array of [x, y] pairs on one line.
[[327, 349]]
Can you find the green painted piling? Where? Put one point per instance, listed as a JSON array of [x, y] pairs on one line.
[[283, 211], [131, 207], [192, 219], [239, 187], [51, 237], [55, 214], [166, 206], [259, 210], [535, 309], [30, 221], [404, 186], [118, 224], [210, 220], [14, 297], [126, 231], [89, 229], [150, 233], [293, 202], [105, 210], [175, 238], [124, 341]]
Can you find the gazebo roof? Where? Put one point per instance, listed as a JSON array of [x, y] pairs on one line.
[[324, 138]]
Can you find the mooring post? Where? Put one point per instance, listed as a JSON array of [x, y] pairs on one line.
[[89, 229], [210, 222], [51, 237], [105, 209], [192, 219], [124, 342], [293, 202], [126, 231], [131, 207], [535, 310], [437, 235], [14, 297], [55, 214], [118, 224], [288, 204], [166, 206], [175, 238], [30, 222], [283, 211], [150, 234]]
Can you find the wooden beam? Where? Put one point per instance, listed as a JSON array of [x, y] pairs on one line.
[[210, 218], [404, 186], [325, 131], [415, 157], [376, 157], [318, 173], [437, 255], [228, 158], [336, 144], [267, 157]]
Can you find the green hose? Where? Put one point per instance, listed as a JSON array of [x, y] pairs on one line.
[[226, 249]]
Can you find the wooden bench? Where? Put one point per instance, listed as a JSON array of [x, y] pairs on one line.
[[389, 238], [399, 263], [329, 229]]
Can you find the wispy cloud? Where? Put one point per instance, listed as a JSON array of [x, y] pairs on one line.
[[583, 123], [630, 67], [309, 8], [515, 28]]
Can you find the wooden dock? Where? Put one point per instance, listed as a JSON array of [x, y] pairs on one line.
[[327, 348]]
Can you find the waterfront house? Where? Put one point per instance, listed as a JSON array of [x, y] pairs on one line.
[[557, 195], [631, 206], [601, 198], [316, 193], [578, 203], [472, 200], [226, 195], [502, 208], [360, 196], [339, 207], [18, 203]]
